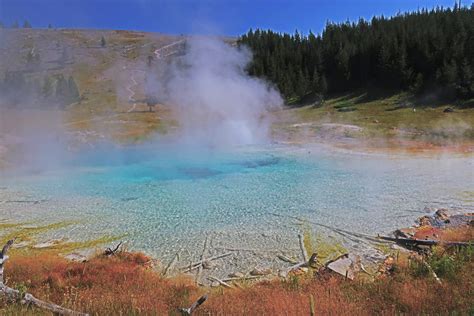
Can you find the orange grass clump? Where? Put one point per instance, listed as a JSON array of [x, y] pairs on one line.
[[463, 233], [103, 285]]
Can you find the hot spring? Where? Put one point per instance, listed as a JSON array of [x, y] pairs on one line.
[[166, 201]]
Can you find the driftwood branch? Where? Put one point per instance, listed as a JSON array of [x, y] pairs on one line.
[[310, 263], [251, 277], [195, 265], [190, 310], [433, 273], [27, 298], [198, 275], [286, 259], [221, 282], [110, 251], [302, 247], [171, 265]]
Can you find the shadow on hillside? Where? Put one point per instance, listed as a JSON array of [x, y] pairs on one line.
[[347, 101], [372, 95], [312, 99]]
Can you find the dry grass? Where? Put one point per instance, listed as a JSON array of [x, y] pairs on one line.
[[116, 285], [125, 284], [465, 233]]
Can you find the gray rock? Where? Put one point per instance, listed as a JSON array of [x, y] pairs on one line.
[[76, 257]]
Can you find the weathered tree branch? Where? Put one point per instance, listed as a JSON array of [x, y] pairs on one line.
[[110, 251], [190, 310], [198, 275], [221, 282], [310, 263]]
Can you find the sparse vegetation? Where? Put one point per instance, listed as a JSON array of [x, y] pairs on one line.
[[126, 284]]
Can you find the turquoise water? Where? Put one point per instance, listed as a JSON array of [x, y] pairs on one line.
[[166, 199]]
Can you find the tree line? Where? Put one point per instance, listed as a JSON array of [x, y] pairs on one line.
[[17, 88], [428, 51], [26, 25]]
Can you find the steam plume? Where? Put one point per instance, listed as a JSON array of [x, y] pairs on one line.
[[217, 102]]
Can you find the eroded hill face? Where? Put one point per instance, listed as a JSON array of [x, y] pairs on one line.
[[82, 83]]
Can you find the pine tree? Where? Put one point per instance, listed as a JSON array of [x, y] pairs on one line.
[[47, 89], [323, 85], [26, 25], [466, 76], [103, 43], [15, 25], [417, 85], [316, 81]]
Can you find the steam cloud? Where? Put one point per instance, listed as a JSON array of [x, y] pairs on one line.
[[217, 102]]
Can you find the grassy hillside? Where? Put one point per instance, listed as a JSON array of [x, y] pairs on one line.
[[387, 118], [111, 80], [104, 75]]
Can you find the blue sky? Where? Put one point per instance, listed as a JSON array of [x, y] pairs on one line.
[[226, 17]]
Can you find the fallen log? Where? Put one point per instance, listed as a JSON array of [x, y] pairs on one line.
[[27, 298], [424, 242]]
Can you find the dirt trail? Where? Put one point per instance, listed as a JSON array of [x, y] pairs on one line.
[[158, 52], [131, 96]]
